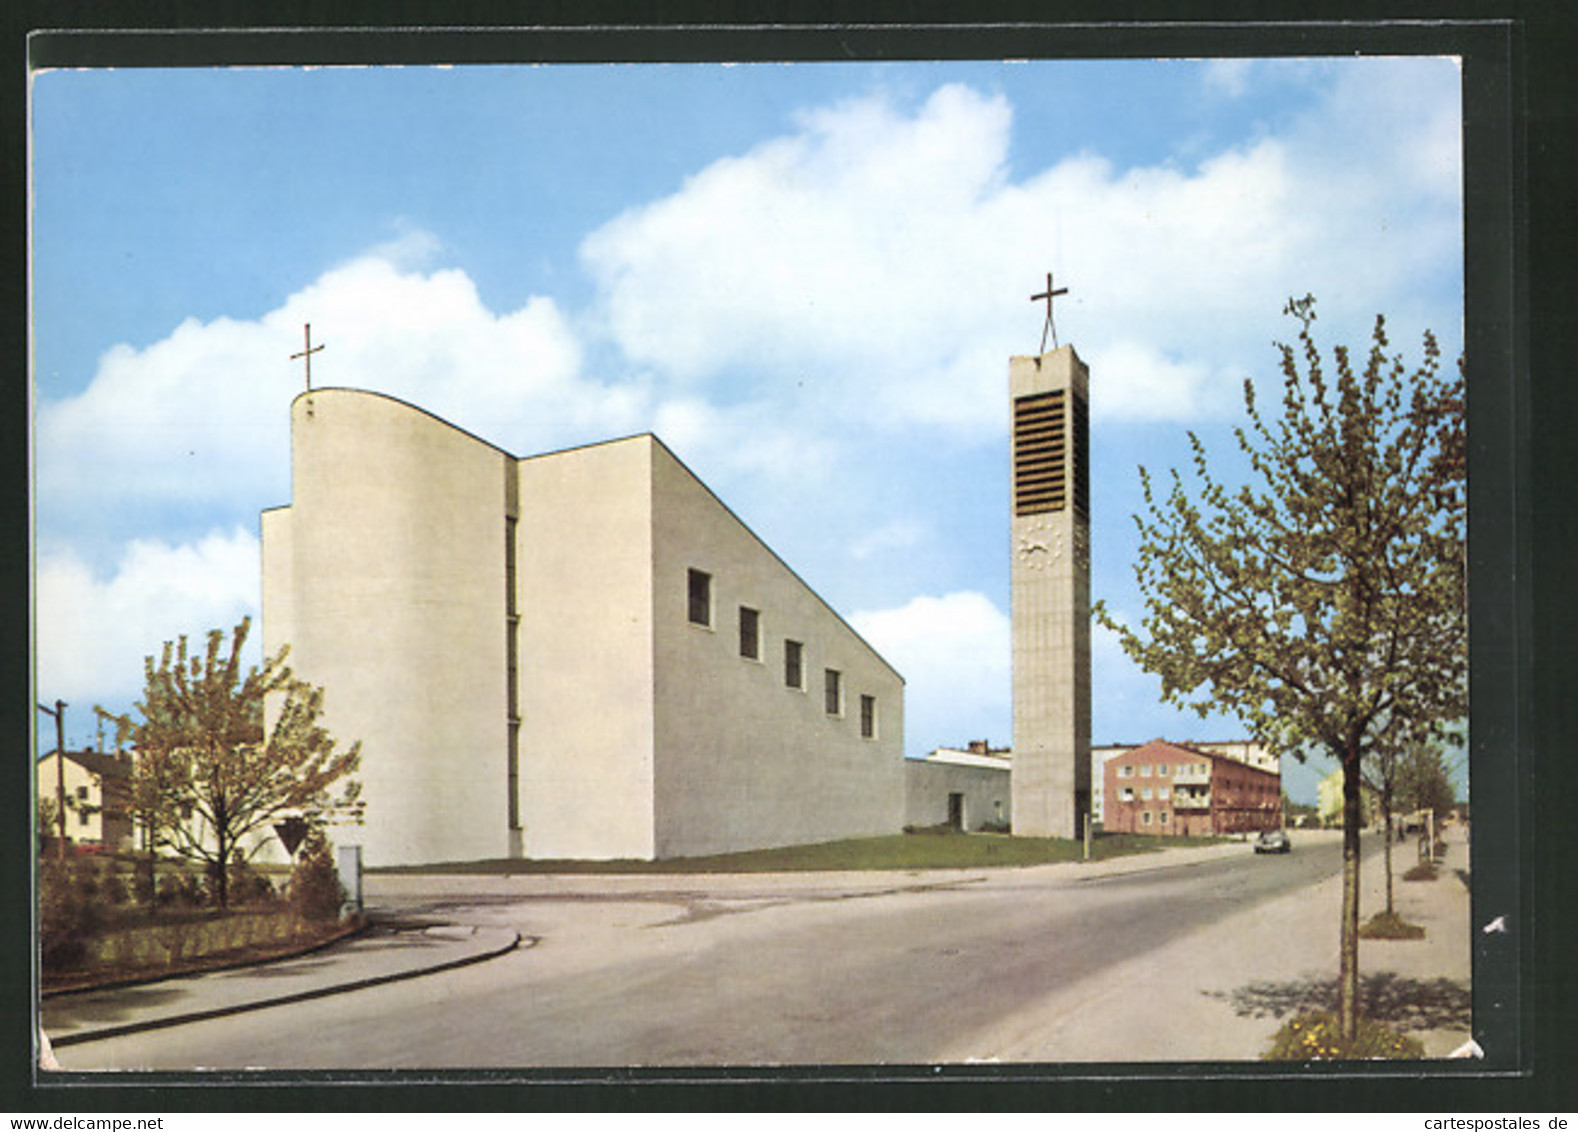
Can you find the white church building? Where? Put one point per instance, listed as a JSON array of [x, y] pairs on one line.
[[582, 654]]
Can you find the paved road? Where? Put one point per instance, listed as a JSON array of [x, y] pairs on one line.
[[852, 969]]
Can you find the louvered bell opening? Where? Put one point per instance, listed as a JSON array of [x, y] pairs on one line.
[[1040, 453], [1045, 434]]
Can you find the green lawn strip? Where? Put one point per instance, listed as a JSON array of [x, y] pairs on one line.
[[921, 850]]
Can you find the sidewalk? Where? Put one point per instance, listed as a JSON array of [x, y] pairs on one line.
[[1217, 995], [381, 955]]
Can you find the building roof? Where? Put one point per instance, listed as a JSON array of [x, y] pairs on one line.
[[955, 757], [1186, 748], [96, 762]]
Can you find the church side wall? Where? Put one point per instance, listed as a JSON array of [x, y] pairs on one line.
[[742, 760], [397, 607], [584, 593], [985, 793]]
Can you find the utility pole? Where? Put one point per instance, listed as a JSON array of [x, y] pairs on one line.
[[59, 712]]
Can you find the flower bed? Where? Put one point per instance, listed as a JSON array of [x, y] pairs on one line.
[[1317, 1037]]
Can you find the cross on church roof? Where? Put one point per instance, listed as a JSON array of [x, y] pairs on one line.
[[1049, 294], [307, 353]]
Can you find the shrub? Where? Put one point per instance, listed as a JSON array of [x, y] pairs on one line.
[[1423, 871], [69, 916], [1316, 1037], [315, 891], [182, 890], [1389, 925], [248, 886]]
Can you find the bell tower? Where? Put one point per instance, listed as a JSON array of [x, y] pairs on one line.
[[1050, 592]]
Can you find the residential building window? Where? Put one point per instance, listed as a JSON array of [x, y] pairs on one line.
[[700, 598], [1146, 793], [750, 633], [82, 793], [1145, 818], [868, 717], [83, 818], [794, 665], [1162, 770], [1145, 771], [1163, 818], [1126, 770], [1162, 792], [1127, 795], [833, 691]]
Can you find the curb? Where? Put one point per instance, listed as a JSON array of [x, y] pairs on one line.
[[286, 1000], [192, 973]]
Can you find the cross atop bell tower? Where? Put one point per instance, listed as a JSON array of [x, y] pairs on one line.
[[1050, 328]]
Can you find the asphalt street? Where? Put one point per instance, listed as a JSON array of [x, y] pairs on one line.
[[1056, 963]]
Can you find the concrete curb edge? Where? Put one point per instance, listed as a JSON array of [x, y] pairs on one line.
[[285, 1000]]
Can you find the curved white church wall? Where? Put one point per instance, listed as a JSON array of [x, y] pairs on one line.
[[387, 578]]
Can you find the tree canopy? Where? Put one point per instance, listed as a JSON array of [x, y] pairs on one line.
[[210, 774], [1322, 601]]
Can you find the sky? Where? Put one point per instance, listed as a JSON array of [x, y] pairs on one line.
[[807, 279]]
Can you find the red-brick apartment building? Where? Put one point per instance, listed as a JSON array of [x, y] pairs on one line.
[[1165, 788]]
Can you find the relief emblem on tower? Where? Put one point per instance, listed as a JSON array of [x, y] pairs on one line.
[[1040, 545]]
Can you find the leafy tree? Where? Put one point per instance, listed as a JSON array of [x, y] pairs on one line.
[[1322, 601], [1393, 772], [210, 774]]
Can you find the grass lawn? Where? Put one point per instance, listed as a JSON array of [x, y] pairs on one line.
[[920, 850]]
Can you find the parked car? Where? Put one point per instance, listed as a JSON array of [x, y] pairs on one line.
[[1273, 841]]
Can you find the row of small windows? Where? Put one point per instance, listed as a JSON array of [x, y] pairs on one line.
[[794, 671], [1162, 794], [1127, 770]]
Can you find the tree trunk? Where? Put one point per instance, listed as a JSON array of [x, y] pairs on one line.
[[1348, 969], [222, 878], [1386, 835]]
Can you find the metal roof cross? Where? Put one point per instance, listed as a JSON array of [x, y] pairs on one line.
[[310, 350], [1049, 294]]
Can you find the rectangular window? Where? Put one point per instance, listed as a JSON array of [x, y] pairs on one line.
[[750, 633], [1145, 771], [794, 665], [868, 717], [700, 598], [833, 691], [1127, 795], [1145, 818], [82, 793], [1162, 793], [1162, 770], [1126, 770], [1146, 793], [1163, 818]]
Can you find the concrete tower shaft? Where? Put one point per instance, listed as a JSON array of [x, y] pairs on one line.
[[1050, 590]]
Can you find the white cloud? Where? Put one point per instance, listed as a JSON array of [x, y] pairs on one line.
[[201, 418], [954, 654], [93, 632], [894, 535], [879, 260], [1229, 76]]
